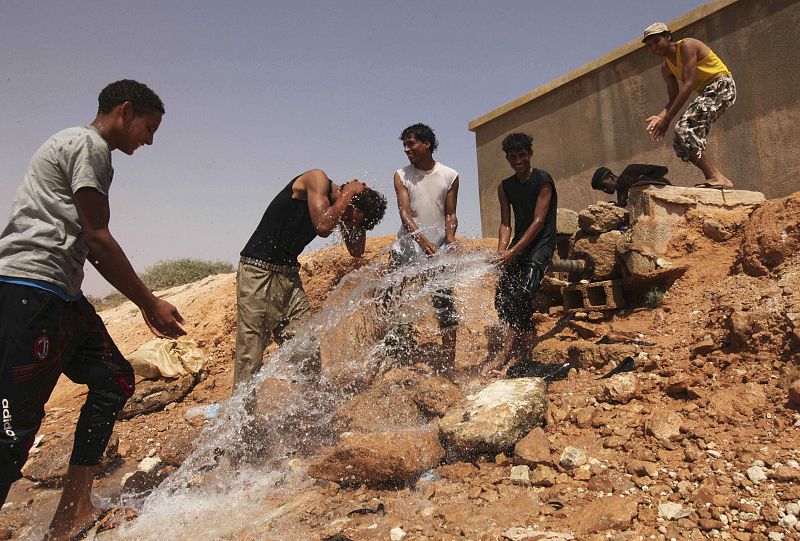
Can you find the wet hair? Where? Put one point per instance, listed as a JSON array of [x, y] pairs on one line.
[[517, 141], [372, 204], [423, 133], [144, 100]]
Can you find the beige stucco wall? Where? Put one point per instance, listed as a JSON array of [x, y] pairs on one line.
[[595, 115]]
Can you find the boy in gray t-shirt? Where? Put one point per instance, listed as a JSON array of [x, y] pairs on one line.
[[59, 218]]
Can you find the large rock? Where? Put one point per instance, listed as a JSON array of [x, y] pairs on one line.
[[496, 418], [49, 462], [566, 221], [381, 458], [402, 398], [771, 235], [601, 252], [643, 268], [154, 395], [609, 513], [602, 217], [794, 393]]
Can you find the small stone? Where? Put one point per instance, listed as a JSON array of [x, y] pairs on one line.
[[149, 464], [664, 424], [397, 534], [793, 508], [572, 458], [673, 511], [788, 521], [533, 449], [708, 524], [543, 476], [621, 389], [640, 468], [756, 474], [521, 475]]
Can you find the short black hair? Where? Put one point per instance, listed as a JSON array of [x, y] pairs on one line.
[[372, 204], [144, 100], [421, 132], [517, 141]]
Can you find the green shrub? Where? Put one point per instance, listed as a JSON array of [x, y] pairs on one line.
[[176, 272], [166, 274], [654, 297]]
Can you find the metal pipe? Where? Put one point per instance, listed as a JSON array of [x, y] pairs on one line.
[[568, 265]]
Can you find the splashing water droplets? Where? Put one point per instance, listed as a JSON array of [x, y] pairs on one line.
[[254, 463]]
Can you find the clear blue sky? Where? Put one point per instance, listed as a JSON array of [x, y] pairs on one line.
[[257, 92]]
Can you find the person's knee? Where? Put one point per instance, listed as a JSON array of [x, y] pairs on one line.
[[109, 401], [680, 145]]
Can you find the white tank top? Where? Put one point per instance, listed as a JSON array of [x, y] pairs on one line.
[[427, 193]]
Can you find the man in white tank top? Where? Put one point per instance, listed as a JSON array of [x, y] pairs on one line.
[[427, 194]]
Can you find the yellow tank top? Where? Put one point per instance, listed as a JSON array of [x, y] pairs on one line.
[[708, 69]]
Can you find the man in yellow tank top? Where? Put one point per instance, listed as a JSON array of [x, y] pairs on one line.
[[689, 64]]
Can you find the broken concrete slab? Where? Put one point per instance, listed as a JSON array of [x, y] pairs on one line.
[[655, 210]]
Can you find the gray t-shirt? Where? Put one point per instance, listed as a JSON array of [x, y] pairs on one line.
[[43, 239]]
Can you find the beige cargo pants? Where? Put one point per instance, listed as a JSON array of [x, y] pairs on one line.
[[269, 305]]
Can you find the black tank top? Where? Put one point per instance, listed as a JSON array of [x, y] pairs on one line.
[[523, 196], [284, 230]]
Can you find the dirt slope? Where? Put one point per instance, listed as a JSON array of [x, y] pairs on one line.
[[704, 423]]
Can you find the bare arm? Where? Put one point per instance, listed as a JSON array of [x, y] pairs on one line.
[[678, 93], [112, 263], [404, 206], [539, 217], [325, 216], [504, 234], [450, 218]]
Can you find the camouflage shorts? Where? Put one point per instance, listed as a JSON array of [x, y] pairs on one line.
[[693, 127]]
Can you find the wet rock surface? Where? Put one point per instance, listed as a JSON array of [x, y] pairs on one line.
[[380, 458], [495, 418]]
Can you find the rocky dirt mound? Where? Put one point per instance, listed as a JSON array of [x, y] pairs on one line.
[[771, 236], [699, 441]]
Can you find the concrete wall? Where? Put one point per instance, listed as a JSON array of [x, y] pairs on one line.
[[595, 115]]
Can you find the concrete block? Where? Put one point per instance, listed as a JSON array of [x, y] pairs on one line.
[[656, 210], [606, 295]]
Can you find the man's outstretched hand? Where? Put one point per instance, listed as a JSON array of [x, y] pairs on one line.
[[656, 127], [163, 319]]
